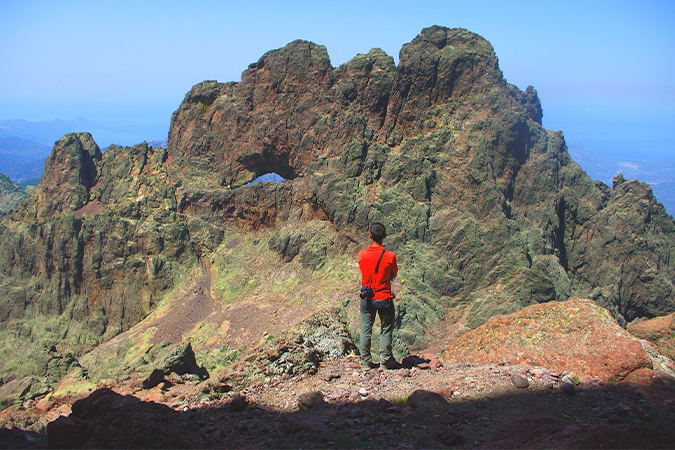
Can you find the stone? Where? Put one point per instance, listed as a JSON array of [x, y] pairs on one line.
[[538, 373], [659, 330], [567, 388], [411, 361], [311, 400], [238, 403], [177, 358], [422, 399], [446, 391], [643, 378], [64, 432], [97, 421], [447, 419], [448, 437], [155, 378], [576, 335], [572, 378], [520, 381], [301, 348], [435, 363], [15, 391]]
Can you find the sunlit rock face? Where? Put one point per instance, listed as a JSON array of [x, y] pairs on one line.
[[485, 209]]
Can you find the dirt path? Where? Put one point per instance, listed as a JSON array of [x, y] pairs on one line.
[[188, 311]]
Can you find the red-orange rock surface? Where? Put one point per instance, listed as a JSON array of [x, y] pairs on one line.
[[660, 331], [576, 335]]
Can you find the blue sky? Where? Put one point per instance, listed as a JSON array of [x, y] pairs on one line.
[[604, 70]]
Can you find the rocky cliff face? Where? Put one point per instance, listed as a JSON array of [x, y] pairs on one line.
[[484, 207], [484, 204], [10, 194], [90, 251]]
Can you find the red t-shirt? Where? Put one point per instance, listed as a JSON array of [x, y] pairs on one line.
[[380, 282]]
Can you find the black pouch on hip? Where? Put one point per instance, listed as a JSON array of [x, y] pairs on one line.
[[366, 293]]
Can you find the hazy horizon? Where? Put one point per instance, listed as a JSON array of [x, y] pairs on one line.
[[603, 70]]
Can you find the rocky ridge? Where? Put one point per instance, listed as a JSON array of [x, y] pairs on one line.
[[10, 194], [485, 209]]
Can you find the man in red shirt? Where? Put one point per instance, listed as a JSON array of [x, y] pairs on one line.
[[378, 268]]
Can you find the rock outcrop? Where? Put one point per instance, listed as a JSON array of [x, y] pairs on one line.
[[96, 240], [659, 330], [576, 335], [485, 208], [109, 420], [302, 348], [10, 194]]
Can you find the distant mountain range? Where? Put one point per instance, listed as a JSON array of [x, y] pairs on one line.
[[21, 159], [45, 132]]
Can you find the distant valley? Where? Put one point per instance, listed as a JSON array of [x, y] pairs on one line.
[[659, 174], [21, 159]]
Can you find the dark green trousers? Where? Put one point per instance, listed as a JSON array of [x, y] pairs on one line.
[[369, 310]]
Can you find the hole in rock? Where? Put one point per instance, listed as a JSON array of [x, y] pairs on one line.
[[272, 176]]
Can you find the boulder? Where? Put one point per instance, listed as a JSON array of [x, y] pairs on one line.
[[106, 419], [177, 358], [427, 400], [576, 335], [299, 350], [17, 391], [659, 330]]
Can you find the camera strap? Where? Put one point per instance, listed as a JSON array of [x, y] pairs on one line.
[[377, 266]]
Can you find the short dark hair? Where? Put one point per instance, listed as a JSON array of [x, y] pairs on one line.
[[378, 232]]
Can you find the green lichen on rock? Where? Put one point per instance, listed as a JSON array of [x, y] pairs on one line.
[[484, 208], [300, 350], [10, 194]]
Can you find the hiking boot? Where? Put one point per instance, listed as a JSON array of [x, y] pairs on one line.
[[392, 364], [371, 365]]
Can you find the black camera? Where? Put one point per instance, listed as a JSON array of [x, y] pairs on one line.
[[366, 293]]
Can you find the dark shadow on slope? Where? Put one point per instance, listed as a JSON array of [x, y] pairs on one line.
[[610, 416], [18, 438]]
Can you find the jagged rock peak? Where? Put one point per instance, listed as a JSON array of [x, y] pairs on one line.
[[485, 208], [292, 106], [71, 170], [75, 154]]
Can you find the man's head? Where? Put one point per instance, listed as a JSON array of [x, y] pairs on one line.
[[378, 232]]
